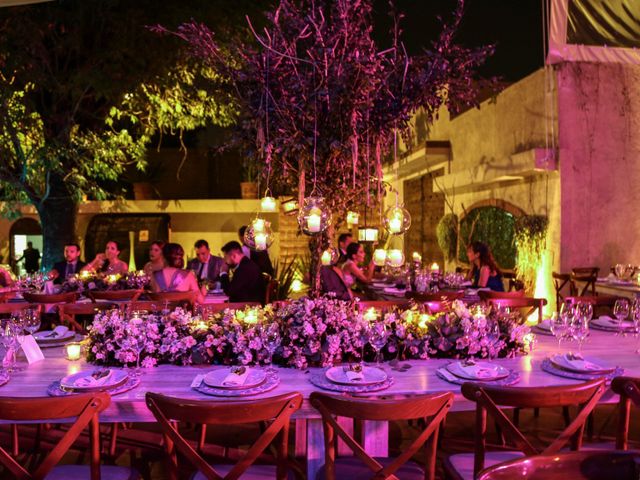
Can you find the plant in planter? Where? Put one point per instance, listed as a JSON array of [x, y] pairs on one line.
[[530, 234], [447, 233]]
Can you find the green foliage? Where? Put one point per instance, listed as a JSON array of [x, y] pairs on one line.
[[285, 274], [493, 226], [530, 240], [447, 233]]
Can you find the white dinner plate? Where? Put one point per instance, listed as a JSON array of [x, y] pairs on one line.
[[118, 377], [494, 371], [371, 376], [215, 379], [43, 336], [561, 361]]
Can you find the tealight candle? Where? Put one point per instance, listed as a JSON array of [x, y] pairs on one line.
[[353, 218], [251, 317], [260, 241], [424, 320], [395, 257], [435, 268], [201, 325], [258, 225], [371, 315], [395, 225], [379, 257], [417, 257], [313, 222], [325, 259], [268, 204], [73, 351]]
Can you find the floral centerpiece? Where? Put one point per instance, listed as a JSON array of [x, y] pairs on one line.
[[86, 280], [307, 332]]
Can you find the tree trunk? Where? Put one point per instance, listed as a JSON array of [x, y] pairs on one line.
[[317, 245], [58, 213]]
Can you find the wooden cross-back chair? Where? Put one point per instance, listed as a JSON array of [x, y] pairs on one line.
[[488, 399], [185, 299], [276, 411], [588, 275], [448, 296], [130, 295], [527, 305], [432, 408], [8, 308], [68, 312], [271, 291], [382, 305], [85, 408], [562, 282], [486, 295], [629, 390], [586, 465], [221, 307]]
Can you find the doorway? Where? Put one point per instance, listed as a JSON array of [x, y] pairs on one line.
[[23, 231]]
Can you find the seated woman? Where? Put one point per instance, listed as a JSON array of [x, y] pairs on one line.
[[484, 271], [156, 259], [173, 278], [6, 283], [351, 271], [107, 263]]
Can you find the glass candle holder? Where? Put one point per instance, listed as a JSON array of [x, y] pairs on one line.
[[73, 351]]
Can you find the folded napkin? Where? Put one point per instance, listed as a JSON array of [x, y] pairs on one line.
[[96, 379], [58, 332], [577, 362], [236, 377], [476, 371], [354, 375]]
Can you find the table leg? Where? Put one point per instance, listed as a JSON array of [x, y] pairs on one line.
[[315, 447], [375, 436]]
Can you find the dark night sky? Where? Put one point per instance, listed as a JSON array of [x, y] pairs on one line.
[[515, 26]]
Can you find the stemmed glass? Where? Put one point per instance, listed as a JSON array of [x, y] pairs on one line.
[[580, 330], [559, 325], [621, 312], [635, 316], [9, 338], [137, 342], [271, 342], [31, 320], [378, 334]]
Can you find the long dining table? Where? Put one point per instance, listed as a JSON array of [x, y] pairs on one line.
[[33, 380]]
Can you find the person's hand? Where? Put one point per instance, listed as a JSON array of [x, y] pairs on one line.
[[100, 258]]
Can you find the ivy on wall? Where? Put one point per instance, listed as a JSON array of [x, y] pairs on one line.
[[530, 240], [493, 226], [447, 233]]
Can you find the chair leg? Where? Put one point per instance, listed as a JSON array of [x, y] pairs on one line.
[[113, 439], [203, 437], [565, 414], [15, 442]]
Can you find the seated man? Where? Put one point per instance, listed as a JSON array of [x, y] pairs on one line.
[[207, 267], [247, 283], [261, 258], [70, 266]]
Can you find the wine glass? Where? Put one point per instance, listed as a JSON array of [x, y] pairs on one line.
[[378, 334], [621, 312], [559, 326], [31, 320], [635, 316], [585, 309], [9, 332], [271, 343], [580, 330]]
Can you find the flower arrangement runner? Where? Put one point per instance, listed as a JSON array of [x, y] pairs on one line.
[[319, 332]]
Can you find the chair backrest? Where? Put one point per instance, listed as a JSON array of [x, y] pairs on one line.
[[382, 305], [221, 307], [490, 294], [435, 297], [186, 299], [562, 281], [527, 305], [433, 407], [68, 297], [589, 275], [629, 390], [585, 465], [68, 312], [115, 295], [598, 301], [84, 407], [271, 292], [487, 399], [514, 283], [6, 308], [276, 411]]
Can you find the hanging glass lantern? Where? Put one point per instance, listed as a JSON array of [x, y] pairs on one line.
[[352, 218], [329, 256], [379, 257], [268, 203], [258, 234], [397, 220], [314, 216], [395, 258], [368, 234], [290, 207]]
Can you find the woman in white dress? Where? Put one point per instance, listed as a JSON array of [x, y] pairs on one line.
[[351, 269]]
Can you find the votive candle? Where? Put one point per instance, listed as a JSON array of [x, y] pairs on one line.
[[260, 241], [379, 257], [313, 223], [73, 351]]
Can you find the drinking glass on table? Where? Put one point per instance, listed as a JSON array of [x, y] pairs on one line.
[[559, 326], [621, 312], [377, 336], [271, 342], [585, 309], [635, 317], [31, 320], [9, 332], [580, 330]]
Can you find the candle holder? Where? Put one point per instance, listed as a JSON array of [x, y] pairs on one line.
[[397, 220], [73, 351], [268, 203], [258, 235], [379, 257], [395, 258], [314, 217], [329, 256]]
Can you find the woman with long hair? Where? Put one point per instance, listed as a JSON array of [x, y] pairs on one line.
[[352, 272], [156, 258], [173, 277], [108, 263], [484, 272]]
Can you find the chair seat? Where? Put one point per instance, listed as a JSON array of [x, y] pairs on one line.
[[107, 472], [462, 463], [254, 472], [352, 468]]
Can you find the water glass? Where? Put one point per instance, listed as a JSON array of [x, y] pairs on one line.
[[559, 326], [621, 312], [271, 343], [31, 320], [377, 336], [580, 330]]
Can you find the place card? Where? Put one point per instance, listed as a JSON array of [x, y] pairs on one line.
[[31, 349]]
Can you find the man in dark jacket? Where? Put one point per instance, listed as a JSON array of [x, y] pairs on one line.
[[31, 258], [206, 267], [70, 266], [246, 283]]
